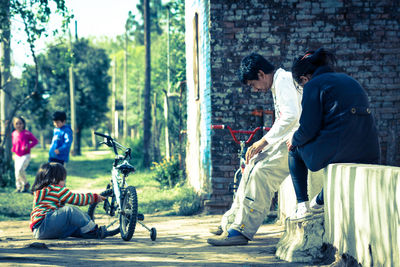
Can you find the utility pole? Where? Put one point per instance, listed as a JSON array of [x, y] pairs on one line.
[[126, 83], [147, 87], [166, 130], [76, 149], [114, 123]]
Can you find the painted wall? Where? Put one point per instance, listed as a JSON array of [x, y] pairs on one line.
[[198, 163]]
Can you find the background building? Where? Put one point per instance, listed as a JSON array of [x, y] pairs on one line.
[[364, 34]]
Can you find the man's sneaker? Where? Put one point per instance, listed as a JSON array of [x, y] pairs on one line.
[[315, 207], [301, 214], [224, 240], [216, 230]]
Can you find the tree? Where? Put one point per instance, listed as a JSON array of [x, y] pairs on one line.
[[138, 25], [136, 63], [90, 81], [35, 15]]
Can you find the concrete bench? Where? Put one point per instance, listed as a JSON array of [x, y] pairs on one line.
[[361, 218], [362, 212], [301, 241]]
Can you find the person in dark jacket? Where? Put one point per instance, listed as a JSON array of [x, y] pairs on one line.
[[336, 125]]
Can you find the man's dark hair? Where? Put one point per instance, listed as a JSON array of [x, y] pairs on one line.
[[251, 65], [59, 116]]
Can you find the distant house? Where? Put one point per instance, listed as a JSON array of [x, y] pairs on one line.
[[364, 34]]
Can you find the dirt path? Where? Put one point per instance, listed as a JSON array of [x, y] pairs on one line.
[[181, 241]]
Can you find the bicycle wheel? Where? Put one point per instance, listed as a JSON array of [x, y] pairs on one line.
[[129, 212], [110, 205]]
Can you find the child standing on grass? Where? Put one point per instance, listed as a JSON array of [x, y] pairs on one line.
[[62, 139], [22, 142], [50, 218]]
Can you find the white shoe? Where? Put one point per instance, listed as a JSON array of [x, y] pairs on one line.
[[302, 213], [315, 207]]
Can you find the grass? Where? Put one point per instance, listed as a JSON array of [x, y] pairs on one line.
[[91, 172]]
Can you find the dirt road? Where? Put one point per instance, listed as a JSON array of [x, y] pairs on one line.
[[181, 241]]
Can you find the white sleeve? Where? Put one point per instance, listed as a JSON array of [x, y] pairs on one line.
[[289, 110]]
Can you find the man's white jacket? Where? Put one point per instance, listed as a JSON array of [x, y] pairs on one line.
[[287, 102]]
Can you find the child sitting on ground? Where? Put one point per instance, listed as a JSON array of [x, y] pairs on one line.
[[50, 218]]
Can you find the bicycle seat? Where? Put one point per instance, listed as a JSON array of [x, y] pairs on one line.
[[125, 168]]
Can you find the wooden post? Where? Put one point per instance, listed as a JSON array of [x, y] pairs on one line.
[[125, 114]]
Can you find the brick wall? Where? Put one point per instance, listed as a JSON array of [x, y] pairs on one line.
[[364, 34]]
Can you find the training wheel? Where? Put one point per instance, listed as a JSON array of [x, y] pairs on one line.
[[153, 234]]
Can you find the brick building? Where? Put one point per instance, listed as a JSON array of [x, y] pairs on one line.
[[364, 34]]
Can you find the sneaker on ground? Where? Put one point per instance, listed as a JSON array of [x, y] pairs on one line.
[[315, 207], [301, 214], [225, 240], [216, 230]]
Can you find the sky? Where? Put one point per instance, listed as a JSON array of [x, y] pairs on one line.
[[94, 18]]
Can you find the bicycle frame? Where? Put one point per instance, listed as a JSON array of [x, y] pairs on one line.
[[118, 182], [116, 179], [242, 152]]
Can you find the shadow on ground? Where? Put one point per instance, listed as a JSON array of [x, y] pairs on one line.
[[181, 241]]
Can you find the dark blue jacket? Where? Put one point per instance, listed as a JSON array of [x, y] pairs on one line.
[[62, 140], [336, 124]]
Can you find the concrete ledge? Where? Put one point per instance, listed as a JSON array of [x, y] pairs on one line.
[[302, 241], [362, 217]]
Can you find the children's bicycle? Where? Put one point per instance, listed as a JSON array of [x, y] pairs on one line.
[[241, 153], [121, 203]]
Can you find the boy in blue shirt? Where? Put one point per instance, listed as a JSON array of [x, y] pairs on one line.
[[62, 139]]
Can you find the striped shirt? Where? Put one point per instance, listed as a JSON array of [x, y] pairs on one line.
[[53, 197]]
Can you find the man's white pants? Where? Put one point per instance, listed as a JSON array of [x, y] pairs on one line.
[[260, 180], [20, 165]]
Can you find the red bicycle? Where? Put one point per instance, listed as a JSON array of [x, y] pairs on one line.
[[241, 153]]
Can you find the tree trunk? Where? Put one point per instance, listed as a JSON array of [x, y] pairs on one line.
[[156, 131], [42, 140], [95, 144], [147, 88], [77, 141], [5, 93]]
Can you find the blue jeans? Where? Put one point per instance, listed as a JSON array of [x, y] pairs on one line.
[[299, 172], [64, 222]]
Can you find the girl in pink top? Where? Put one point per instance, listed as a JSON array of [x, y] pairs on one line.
[[22, 142]]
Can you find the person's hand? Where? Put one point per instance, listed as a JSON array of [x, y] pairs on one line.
[[57, 151], [26, 147], [289, 144], [101, 198], [256, 148]]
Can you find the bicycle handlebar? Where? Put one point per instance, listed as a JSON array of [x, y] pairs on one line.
[[114, 144], [233, 132]]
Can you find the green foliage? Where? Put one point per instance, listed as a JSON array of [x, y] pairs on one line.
[[180, 200], [92, 171], [167, 172], [14, 205], [91, 81], [136, 146], [188, 202]]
